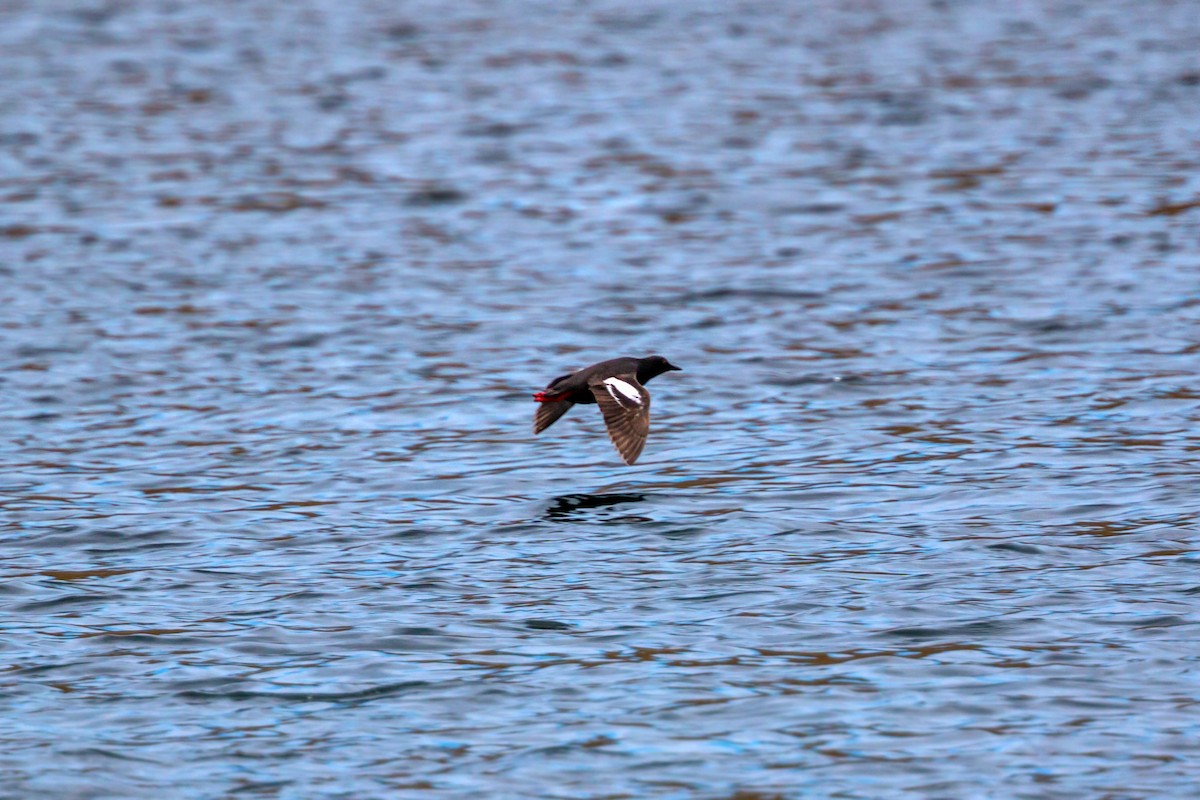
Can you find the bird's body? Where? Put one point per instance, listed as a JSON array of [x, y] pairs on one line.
[[618, 386]]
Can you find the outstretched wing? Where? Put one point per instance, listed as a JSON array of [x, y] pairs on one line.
[[625, 404], [547, 413]]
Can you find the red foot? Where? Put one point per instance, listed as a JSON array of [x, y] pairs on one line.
[[542, 397]]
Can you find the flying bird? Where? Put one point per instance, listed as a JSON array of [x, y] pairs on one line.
[[618, 386]]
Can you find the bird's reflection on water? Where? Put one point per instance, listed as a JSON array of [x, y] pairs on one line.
[[575, 507]]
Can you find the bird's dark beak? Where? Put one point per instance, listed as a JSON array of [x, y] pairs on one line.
[[671, 366]]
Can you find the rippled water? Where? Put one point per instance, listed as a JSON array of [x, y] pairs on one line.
[[919, 518]]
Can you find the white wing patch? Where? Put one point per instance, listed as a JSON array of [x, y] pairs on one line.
[[629, 391]]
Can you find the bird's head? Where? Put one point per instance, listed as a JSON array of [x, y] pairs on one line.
[[654, 365]]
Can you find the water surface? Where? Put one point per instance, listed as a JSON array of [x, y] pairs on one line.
[[919, 518]]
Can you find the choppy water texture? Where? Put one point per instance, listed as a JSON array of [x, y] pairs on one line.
[[918, 520]]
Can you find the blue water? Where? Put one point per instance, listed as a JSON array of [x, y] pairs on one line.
[[918, 519]]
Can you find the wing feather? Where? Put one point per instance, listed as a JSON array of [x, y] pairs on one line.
[[625, 404], [548, 413]]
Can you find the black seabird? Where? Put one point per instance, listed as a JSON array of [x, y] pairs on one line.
[[618, 386]]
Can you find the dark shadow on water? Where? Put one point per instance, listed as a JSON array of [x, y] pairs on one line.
[[577, 506]]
